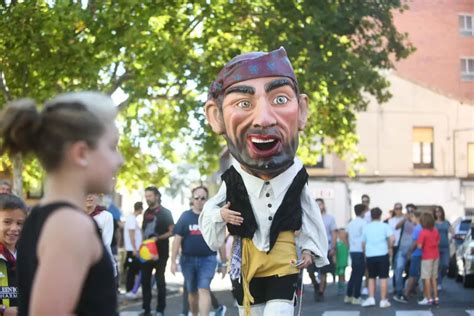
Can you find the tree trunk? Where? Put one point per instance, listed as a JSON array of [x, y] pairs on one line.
[[17, 161]]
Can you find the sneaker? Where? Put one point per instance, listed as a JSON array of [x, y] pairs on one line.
[[384, 303], [365, 291], [131, 295], [347, 299], [356, 301], [370, 301], [425, 301], [400, 298], [220, 311], [436, 301], [440, 288]]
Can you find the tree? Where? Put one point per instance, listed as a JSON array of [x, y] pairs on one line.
[[162, 55]]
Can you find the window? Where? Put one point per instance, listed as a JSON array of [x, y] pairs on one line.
[[467, 68], [470, 159], [465, 25], [423, 147]]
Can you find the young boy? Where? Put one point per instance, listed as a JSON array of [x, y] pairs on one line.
[[12, 217], [342, 254], [428, 242]]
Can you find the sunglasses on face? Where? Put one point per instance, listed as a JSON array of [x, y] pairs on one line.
[[197, 198], [398, 208]]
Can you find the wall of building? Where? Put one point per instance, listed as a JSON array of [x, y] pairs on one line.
[[433, 28], [385, 131]]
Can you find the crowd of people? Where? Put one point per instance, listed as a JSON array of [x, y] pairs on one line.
[[414, 245]]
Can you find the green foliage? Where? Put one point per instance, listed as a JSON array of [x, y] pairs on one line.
[[164, 54]]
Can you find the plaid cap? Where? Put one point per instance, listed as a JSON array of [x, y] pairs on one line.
[[250, 66]]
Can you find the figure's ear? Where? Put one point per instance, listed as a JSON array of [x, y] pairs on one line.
[[303, 111], [214, 117]]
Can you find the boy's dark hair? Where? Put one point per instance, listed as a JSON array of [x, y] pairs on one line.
[[10, 202], [365, 196], [320, 200], [153, 189], [138, 206], [427, 220], [375, 213], [359, 209]]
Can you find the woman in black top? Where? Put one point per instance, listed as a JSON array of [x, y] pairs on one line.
[[63, 268]]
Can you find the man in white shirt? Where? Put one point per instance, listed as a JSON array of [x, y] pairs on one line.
[[331, 231], [132, 242], [396, 223], [264, 199], [105, 222]]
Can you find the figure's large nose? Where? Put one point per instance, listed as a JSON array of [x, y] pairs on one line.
[[264, 114]]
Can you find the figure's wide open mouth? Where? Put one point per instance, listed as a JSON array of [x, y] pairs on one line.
[[264, 145]]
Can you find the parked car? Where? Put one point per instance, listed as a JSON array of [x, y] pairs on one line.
[[465, 259], [461, 228]]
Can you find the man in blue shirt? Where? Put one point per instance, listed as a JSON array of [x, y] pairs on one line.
[[415, 258], [198, 262]]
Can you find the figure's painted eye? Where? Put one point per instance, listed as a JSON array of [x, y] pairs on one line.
[[244, 104], [280, 100]]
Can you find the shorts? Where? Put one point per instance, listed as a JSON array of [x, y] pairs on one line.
[[198, 271], [330, 268], [415, 267], [267, 288], [429, 268], [378, 266]]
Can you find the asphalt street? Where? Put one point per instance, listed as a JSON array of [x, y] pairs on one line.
[[454, 300]]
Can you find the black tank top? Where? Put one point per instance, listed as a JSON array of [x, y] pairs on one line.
[[98, 296]]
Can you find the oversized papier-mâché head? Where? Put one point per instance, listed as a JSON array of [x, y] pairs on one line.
[[255, 103]]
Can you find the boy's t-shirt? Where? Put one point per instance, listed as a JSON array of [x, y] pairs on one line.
[[429, 241], [375, 235], [416, 234]]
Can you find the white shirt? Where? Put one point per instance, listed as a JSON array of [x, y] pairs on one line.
[[330, 225], [132, 224], [355, 230], [393, 222], [105, 221], [312, 235]]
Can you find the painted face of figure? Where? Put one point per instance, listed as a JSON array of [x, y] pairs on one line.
[[261, 119]]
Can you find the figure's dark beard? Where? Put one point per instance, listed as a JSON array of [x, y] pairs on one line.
[[271, 166]]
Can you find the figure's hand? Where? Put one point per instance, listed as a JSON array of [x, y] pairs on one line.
[[174, 267], [332, 252], [135, 253], [231, 217], [306, 261]]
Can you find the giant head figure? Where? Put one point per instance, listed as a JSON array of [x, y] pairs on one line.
[[255, 103]]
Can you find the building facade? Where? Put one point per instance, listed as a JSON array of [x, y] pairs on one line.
[[419, 146]]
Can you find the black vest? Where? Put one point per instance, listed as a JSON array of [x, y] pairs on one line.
[[287, 217]]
